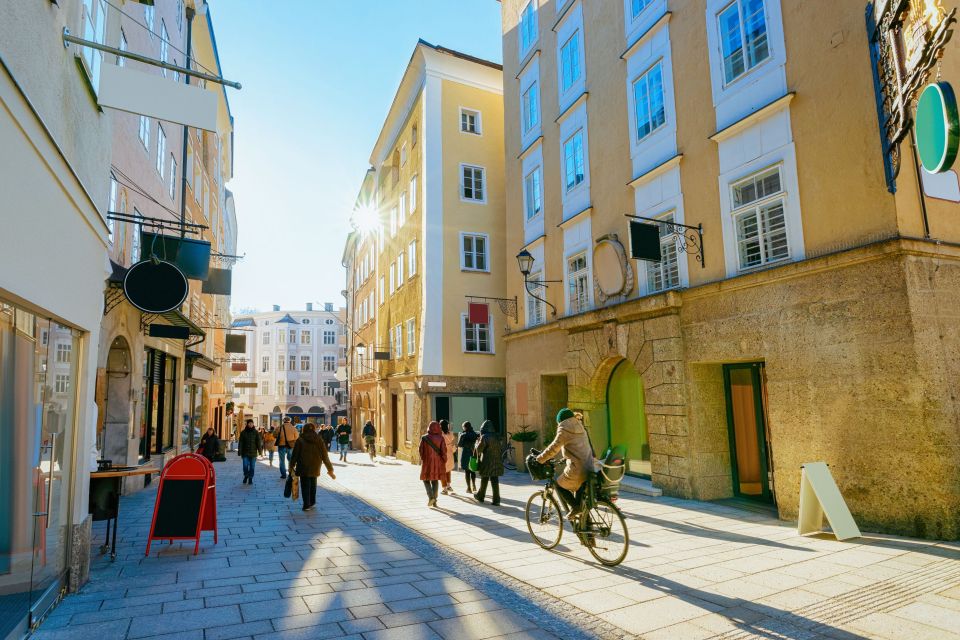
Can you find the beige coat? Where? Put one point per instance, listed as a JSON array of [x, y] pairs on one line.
[[574, 445], [451, 441], [287, 435]]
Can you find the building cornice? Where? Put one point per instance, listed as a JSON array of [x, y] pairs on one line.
[[579, 215], [762, 113], [573, 106], [646, 35], [656, 172], [530, 147]]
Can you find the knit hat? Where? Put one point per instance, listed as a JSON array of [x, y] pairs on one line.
[[564, 414]]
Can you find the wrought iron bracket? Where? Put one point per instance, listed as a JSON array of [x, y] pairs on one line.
[[160, 224], [192, 343], [111, 299], [537, 284], [689, 239], [508, 306]]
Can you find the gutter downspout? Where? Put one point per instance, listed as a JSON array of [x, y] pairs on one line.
[[191, 13]]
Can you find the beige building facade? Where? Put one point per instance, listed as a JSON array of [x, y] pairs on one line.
[[431, 220], [812, 319]]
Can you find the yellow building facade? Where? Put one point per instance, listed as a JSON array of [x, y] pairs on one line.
[[802, 314], [433, 203]]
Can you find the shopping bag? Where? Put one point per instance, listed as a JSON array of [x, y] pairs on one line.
[[288, 487], [295, 493], [473, 464]]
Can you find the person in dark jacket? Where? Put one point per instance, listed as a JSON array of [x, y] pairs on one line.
[[466, 443], [308, 454], [249, 445], [489, 454], [209, 445], [343, 438], [369, 434], [433, 461], [326, 434]]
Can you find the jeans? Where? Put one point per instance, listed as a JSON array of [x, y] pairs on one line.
[[249, 466], [284, 459], [344, 447], [371, 444], [270, 453], [308, 491], [431, 486], [495, 482]]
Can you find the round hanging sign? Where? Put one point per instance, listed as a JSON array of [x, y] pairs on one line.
[[155, 286], [937, 127]]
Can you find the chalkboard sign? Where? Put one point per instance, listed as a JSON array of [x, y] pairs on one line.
[[178, 509]]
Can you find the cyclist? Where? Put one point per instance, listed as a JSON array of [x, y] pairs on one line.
[[573, 443]]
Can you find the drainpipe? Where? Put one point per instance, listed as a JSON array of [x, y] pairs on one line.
[[191, 12]]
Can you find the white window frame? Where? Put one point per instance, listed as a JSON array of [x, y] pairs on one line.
[[381, 291], [172, 182], [305, 388], [264, 387], [64, 353], [305, 362], [571, 139], [536, 313], [265, 364], [573, 307], [122, 45], [393, 281], [464, 235], [668, 243], [161, 151], [413, 194], [400, 278], [570, 30], [329, 337], [412, 258], [398, 341], [477, 121], [528, 28], [463, 336], [292, 362], [61, 383], [483, 183], [644, 77], [530, 109], [291, 387], [281, 362], [164, 45], [533, 193], [403, 154], [112, 207], [402, 212], [411, 336], [755, 206], [329, 363], [93, 18], [306, 336], [570, 59], [747, 68], [144, 132], [266, 337]]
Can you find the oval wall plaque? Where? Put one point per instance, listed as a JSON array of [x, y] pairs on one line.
[[937, 127], [612, 275], [155, 287]]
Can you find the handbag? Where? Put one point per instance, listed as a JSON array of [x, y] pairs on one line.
[[295, 493], [473, 465], [288, 486]]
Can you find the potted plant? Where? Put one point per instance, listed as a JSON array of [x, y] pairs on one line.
[[523, 439]]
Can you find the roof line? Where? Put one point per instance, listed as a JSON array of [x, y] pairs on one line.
[[461, 54]]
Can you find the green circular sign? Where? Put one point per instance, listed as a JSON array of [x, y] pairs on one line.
[[937, 127]]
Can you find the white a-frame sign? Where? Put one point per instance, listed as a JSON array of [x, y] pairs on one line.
[[820, 496]]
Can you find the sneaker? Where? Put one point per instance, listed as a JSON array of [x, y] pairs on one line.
[[282, 476], [478, 498], [432, 503], [310, 508], [445, 491]]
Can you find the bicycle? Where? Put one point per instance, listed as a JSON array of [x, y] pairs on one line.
[[509, 462], [600, 527]]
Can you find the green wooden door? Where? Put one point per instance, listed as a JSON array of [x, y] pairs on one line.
[[627, 418], [746, 424]]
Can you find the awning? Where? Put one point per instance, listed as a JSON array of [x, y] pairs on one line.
[[199, 359]]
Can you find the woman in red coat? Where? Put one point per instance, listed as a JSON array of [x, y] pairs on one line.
[[433, 461]]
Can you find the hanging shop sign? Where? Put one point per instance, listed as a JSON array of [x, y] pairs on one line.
[[907, 39], [937, 127], [155, 286], [234, 343], [191, 256], [644, 241]]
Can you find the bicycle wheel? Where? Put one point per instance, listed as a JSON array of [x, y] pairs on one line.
[[607, 534], [507, 458], [544, 519]]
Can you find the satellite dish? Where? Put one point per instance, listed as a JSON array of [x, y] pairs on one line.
[[155, 286]]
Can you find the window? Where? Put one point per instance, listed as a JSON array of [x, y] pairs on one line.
[[380, 291], [573, 160], [570, 61], [304, 387], [743, 37], [265, 387], [403, 154], [329, 337], [279, 387], [281, 336], [94, 15], [281, 362], [398, 341], [400, 271], [123, 47], [470, 121], [531, 107], [665, 274], [413, 194], [172, 188], [403, 209], [393, 222], [62, 383], [64, 353], [476, 337], [144, 131], [112, 207], [291, 388], [637, 6], [472, 183], [292, 359], [759, 219], [411, 337], [266, 337], [161, 150], [179, 15], [328, 389], [135, 243], [164, 45], [304, 363], [329, 363], [414, 137], [648, 101], [305, 336], [535, 308], [578, 281], [393, 282], [265, 363], [474, 254], [293, 336], [148, 16], [412, 259], [533, 193], [528, 27]]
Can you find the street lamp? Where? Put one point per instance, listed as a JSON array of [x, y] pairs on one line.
[[525, 261]]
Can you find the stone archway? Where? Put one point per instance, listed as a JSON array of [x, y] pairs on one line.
[[117, 409]]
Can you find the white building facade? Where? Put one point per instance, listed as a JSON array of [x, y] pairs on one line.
[[292, 359]]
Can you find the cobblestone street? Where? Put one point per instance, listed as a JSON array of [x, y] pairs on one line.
[[374, 562]]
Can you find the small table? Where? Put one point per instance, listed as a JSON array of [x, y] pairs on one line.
[[105, 489]]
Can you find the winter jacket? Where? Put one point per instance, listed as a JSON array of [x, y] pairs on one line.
[[467, 441], [327, 436], [573, 444], [369, 431], [270, 440], [248, 444], [209, 446], [451, 441], [489, 452], [433, 465], [287, 435], [308, 454], [343, 433]]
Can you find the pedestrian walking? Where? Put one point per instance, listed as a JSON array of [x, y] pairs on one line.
[[260, 449], [248, 445], [450, 441], [466, 444], [308, 454], [209, 445], [489, 454], [270, 443], [286, 439], [343, 438], [433, 461], [326, 432], [370, 439]]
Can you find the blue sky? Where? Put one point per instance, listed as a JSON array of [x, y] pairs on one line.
[[317, 79]]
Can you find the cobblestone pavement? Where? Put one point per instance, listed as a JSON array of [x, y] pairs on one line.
[[374, 562]]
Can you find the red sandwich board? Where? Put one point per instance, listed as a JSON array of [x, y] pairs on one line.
[[186, 501]]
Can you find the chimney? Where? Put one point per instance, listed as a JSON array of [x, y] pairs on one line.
[[328, 306], [276, 307], [309, 306]]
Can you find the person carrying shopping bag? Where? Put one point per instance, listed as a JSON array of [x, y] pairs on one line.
[[466, 443], [489, 454], [286, 439], [308, 454]]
